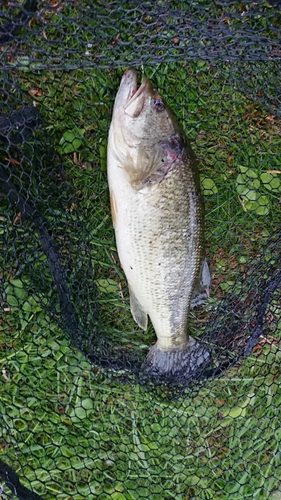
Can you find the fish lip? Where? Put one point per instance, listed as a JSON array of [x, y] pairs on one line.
[[130, 78]]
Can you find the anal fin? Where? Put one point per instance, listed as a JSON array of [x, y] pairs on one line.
[[202, 288], [137, 311]]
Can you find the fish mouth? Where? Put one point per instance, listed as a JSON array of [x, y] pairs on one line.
[[135, 97]]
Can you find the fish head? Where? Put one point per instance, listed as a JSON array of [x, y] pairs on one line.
[[143, 129]]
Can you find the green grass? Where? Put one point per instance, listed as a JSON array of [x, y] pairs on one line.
[[70, 429], [70, 423]]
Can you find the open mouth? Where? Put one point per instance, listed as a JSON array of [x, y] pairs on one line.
[[135, 101]]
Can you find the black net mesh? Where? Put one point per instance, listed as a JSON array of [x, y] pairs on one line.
[[79, 419]]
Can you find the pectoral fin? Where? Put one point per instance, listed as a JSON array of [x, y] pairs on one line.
[[137, 311], [202, 287], [144, 169], [153, 168], [113, 209]]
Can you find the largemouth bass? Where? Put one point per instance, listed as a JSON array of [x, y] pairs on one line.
[[157, 214]]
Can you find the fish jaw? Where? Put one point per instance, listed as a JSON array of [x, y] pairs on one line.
[[127, 88], [129, 102], [129, 98]]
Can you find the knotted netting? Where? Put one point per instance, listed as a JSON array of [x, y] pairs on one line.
[[78, 417]]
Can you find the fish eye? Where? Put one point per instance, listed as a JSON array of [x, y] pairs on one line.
[[158, 104]]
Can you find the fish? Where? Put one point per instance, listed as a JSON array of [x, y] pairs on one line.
[[158, 218]]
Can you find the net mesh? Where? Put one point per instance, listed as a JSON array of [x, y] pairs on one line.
[[78, 417]]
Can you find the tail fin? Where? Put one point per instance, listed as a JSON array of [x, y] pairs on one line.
[[183, 363]]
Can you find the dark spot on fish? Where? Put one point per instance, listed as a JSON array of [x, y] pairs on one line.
[[175, 139], [131, 267], [173, 146]]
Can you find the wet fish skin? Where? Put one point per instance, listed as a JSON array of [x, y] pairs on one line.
[[157, 213]]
